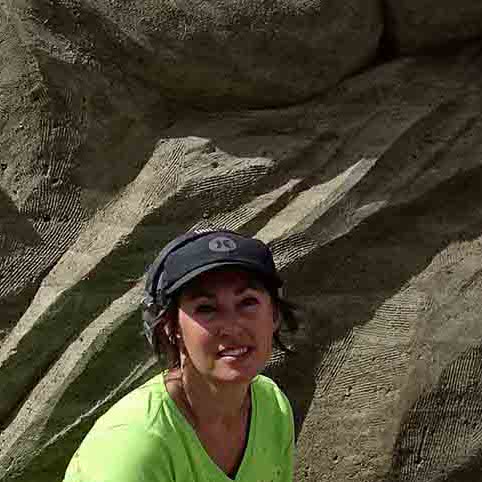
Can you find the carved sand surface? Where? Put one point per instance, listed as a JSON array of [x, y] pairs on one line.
[[347, 135]]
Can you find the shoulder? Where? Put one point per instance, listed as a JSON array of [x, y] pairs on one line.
[[274, 412], [274, 426], [131, 437], [138, 409], [120, 454], [267, 390], [141, 414]]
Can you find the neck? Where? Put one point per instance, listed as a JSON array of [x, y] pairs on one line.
[[215, 405]]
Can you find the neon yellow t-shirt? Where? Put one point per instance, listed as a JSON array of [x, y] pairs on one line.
[[145, 438]]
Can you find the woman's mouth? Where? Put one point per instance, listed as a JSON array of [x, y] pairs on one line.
[[235, 353]]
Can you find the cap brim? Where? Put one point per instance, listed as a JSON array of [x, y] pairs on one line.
[[277, 282]]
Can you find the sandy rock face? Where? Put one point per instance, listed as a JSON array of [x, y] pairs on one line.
[[418, 25], [251, 53], [369, 196]]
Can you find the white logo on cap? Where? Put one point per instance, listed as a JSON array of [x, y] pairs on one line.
[[222, 244]]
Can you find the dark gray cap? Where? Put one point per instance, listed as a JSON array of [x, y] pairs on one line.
[[192, 254]]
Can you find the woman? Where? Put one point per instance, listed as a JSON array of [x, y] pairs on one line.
[[212, 307]]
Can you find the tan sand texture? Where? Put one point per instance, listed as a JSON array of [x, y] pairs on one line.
[[124, 124], [428, 25]]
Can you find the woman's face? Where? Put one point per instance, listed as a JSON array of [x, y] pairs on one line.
[[226, 323]]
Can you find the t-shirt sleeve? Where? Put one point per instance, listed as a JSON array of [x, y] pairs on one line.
[[120, 454]]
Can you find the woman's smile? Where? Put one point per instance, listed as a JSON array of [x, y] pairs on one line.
[[236, 354]]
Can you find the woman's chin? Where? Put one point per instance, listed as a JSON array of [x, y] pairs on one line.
[[235, 375]]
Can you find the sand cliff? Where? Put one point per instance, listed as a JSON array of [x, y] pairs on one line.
[[347, 136]]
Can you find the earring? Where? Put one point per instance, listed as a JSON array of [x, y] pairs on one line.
[[173, 338]]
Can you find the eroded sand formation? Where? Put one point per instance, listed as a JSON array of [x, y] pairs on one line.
[[348, 135]]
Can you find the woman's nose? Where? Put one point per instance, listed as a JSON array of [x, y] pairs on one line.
[[229, 329], [230, 324]]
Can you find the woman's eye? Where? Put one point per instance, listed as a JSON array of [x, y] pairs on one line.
[[205, 309]]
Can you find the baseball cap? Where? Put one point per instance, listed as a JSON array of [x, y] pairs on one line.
[[192, 254]]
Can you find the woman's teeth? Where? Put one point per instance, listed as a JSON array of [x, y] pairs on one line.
[[234, 352]]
